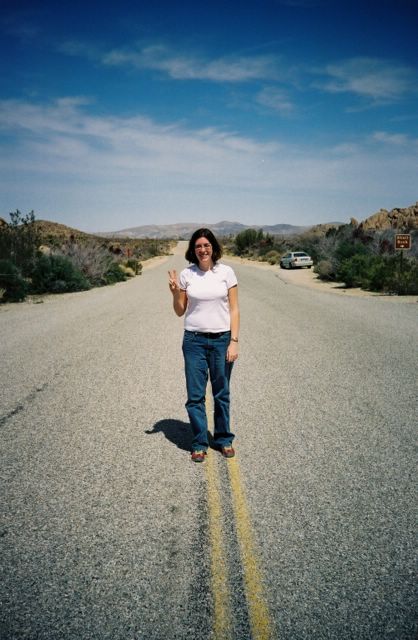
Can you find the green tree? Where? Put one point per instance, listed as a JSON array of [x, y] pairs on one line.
[[19, 241], [114, 274], [248, 238]]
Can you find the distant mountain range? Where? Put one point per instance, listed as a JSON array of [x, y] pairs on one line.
[[398, 218], [183, 230], [402, 219]]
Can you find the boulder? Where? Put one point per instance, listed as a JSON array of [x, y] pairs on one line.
[[45, 250], [402, 219]]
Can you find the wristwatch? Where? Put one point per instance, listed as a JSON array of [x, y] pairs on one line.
[[234, 339]]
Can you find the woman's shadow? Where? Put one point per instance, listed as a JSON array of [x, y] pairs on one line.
[[178, 432]]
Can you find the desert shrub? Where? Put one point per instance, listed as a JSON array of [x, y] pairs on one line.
[[387, 275], [325, 270], [272, 257], [89, 258], [153, 249], [135, 265], [265, 244], [12, 283], [114, 274], [248, 238], [355, 270], [347, 249], [409, 280], [130, 273], [380, 273], [57, 274]]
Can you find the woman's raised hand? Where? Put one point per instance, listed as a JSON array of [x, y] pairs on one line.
[[173, 282], [179, 296]]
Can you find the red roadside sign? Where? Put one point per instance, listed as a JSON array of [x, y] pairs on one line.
[[403, 241]]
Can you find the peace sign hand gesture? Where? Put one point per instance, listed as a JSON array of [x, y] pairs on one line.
[[173, 282]]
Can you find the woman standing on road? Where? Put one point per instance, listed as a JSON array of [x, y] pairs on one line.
[[207, 294]]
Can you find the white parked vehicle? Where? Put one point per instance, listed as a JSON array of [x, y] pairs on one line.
[[296, 259]]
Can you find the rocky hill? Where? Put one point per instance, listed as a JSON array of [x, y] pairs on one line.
[[54, 234], [405, 219], [54, 231]]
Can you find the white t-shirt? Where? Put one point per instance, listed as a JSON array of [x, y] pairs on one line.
[[207, 297]]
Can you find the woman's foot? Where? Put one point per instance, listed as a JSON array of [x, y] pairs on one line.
[[228, 451], [198, 456]]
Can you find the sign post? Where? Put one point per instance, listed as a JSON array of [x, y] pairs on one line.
[[403, 243]]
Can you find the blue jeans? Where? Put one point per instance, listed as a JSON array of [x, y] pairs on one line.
[[202, 356]]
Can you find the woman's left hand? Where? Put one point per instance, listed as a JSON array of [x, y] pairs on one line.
[[232, 352]]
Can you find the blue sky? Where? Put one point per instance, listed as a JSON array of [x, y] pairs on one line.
[[117, 114]]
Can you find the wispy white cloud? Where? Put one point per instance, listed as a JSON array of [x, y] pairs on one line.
[[372, 78], [346, 149], [377, 80], [192, 67], [396, 139], [65, 130], [275, 99], [62, 157]]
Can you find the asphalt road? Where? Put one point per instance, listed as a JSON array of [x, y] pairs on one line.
[[108, 531]]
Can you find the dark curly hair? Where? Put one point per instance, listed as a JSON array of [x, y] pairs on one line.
[[190, 254]]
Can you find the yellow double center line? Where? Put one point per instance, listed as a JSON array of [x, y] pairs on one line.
[[219, 568], [259, 617]]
